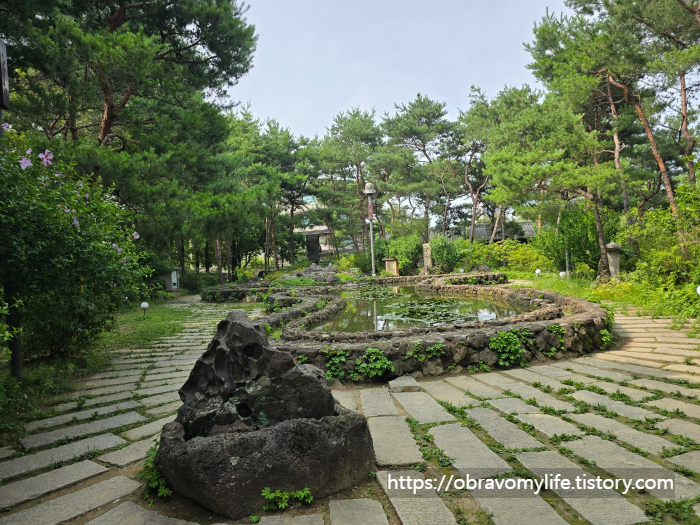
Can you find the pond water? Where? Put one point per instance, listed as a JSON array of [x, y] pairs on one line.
[[382, 308]]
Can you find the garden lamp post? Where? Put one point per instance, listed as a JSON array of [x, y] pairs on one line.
[[144, 305], [370, 191], [698, 290], [538, 272]]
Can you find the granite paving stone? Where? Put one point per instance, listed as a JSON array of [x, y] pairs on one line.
[[309, 519], [690, 460], [529, 392], [164, 409], [513, 405], [422, 407], [469, 454], [502, 430], [347, 398], [78, 416], [147, 430], [473, 387], [494, 379], [38, 486], [179, 381], [598, 507], [75, 504], [671, 405], [24, 465], [628, 411], [593, 371], [159, 389], [355, 511], [669, 388], [115, 374], [6, 452], [523, 506], [393, 442], [554, 372], [425, 508], [648, 442], [130, 513], [84, 429], [129, 454], [404, 384], [611, 388], [377, 402], [549, 425], [164, 376], [168, 397], [111, 389], [72, 405], [579, 378], [680, 427], [446, 392]]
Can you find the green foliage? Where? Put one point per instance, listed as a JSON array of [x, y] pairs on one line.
[[254, 518], [607, 338], [479, 367], [408, 250], [559, 331], [279, 500], [681, 509], [335, 361], [421, 354], [154, 479], [373, 364], [509, 346], [445, 253], [293, 282]]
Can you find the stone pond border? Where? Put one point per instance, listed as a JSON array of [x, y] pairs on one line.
[[557, 327]]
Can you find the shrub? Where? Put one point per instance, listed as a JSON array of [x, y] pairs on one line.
[[375, 364], [508, 347], [191, 282], [445, 253], [408, 250]]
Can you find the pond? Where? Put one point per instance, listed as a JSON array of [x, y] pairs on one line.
[[382, 308]]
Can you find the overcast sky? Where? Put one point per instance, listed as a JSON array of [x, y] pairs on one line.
[[316, 58]]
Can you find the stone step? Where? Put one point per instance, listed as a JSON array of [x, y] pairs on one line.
[[147, 430], [502, 430], [423, 508], [621, 463], [130, 513], [523, 506], [598, 507], [665, 387], [550, 426], [161, 383], [593, 371], [691, 460], [355, 511], [393, 442], [24, 465], [529, 375], [72, 405], [627, 411], [85, 429], [38, 486], [553, 372], [172, 387], [377, 402], [474, 388], [666, 403], [648, 442], [111, 389], [470, 455], [79, 416], [513, 405], [6, 452], [528, 392], [422, 407], [404, 384], [579, 378], [649, 356], [115, 374], [75, 504], [164, 409], [494, 379], [681, 428], [633, 366], [686, 369], [125, 456], [169, 397], [347, 398], [164, 376], [445, 392], [611, 388]]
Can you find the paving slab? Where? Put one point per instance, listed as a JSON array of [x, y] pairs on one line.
[[445, 392], [474, 388], [377, 402], [72, 405], [164, 409], [649, 356], [125, 456], [611, 388], [691, 460], [129, 513], [469, 454], [310, 519], [648, 442], [502, 430], [579, 378], [599, 507], [6, 452], [354, 511], [422, 407], [529, 376], [38, 486], [115, 374], [172, 387], [685, 368], [670, 404], [593, 371], [151, 401], [157, 375], [393, 442], [641, 367], [669, 388], [347, 398], [529, 392], [75, 504], [625, 464], [494, 379], [553, 372], [513, 405], [425, 508], [147, 430], [681, 428], [161, 383], [24, 465], [523, 506], [404, 384], [84, 429], [627, 411], [79, 416], [111, 389], [549, 425]]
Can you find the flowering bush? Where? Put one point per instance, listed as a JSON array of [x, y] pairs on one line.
[[67, 251]]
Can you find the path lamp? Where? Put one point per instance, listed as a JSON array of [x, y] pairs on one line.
[[370, 191], [144, 305], [562, 274], [698, 290], [538, 272]]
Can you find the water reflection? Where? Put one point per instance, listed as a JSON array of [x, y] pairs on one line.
[[398, 308]]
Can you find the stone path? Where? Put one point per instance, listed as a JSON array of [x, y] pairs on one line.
[[634, 407]]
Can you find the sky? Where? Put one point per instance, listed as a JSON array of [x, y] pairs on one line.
[[317, 58]]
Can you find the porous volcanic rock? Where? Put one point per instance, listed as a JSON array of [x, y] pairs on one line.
[[251, 418]]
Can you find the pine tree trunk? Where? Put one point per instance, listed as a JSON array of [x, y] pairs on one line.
[[217, 255], [495, 225]]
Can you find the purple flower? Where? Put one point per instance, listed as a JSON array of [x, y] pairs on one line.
[[119, 250], [87, 195], [114, 245], [124, 260], [46, 157], [66, 210], [25, 163], [91, 307], [114, 285], [136, 236], [5, 126], [29, 151], [57, 174], [75, 222]]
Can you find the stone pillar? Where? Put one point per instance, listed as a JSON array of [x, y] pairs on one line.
[[313, 248], [427, 258], [392, 265], [614, 259]]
